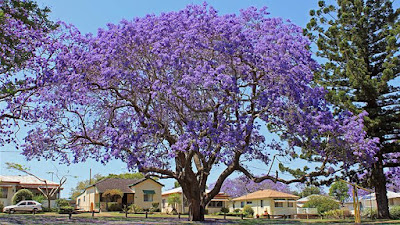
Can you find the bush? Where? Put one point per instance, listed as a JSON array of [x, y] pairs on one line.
[[237, 211], [155, 207], [368, 213], [65, 209], [23, 194], [113, 207], [248, 211], [1, 206], [224, 210], [337, 213], [47, 209], [135, 209], [395, 212], [62, 203], [322, 203], [205, 211], [39, 198]]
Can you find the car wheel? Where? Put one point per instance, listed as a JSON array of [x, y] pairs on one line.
[[12, 211], [34, 211]]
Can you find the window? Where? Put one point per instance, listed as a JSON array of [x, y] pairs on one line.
[[31, 203], [3, 192], [148, 195], [249, 202], [215, 204], [262, 203], [84, 198], [23, 203], [290, 204], [148, 198], [79, 202], [279, 204], [233, 205], [241, 204], [163, 203]]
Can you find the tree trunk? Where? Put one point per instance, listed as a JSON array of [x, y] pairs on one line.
[[48, 202], [196, 211], [194, 197], [379, 182]]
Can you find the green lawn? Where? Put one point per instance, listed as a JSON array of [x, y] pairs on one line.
[[119, 218]]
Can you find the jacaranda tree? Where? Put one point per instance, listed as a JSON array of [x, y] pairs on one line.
[[175, 95], [24, 35], [242, 185]]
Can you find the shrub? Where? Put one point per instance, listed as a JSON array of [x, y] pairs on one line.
[[114, 207], [322, 203], [62, 203], [206, 211], [224, 210], [23, 194], [248, 211], [337, 213], [368, 213], [395, 212], [39, 198], [135, 209], [65, 209], [237, 211], [1, 206]]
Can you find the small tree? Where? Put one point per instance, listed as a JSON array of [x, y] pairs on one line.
[[23, 194], [48, 192], [310, 190], [109, 194], [322, 203], [173, 200], [248, 211], [339, 190]]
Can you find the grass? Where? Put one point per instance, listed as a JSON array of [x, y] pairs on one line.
[[119, 218]]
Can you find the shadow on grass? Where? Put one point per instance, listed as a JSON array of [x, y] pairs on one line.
[[7, 219]]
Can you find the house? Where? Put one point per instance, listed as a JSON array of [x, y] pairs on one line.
[[9, 185], [144, 193], [369, 201], [215, 205], [263, 202]]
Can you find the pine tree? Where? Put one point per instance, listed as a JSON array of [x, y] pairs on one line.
[[358, 42]]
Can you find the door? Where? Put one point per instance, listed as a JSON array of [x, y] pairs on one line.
[[21, 206]]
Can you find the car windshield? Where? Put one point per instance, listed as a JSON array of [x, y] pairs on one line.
[[22, 203]]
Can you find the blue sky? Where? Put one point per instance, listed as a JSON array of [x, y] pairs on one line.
[[89, 15]]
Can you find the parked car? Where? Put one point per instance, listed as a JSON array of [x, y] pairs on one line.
[[24, 206]]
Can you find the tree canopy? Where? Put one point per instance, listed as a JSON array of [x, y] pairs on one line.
[[26, 49], [339, 190], [176, 94]]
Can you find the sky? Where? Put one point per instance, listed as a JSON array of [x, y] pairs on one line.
[[88, 16]]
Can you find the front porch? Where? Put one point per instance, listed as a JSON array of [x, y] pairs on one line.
[[126, 200]]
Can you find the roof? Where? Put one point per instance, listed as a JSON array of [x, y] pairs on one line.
[[118, 183], [267, 193], [390, 195], [306, 199], [25, 180]]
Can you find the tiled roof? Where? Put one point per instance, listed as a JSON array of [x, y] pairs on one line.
[[25, 180], [220, 195], [267, 193], [117, 183]]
